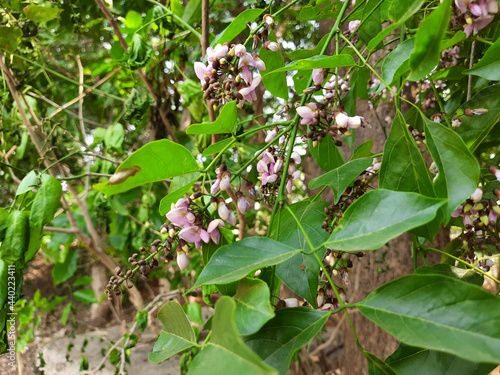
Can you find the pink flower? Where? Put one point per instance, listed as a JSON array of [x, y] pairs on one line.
[[457, 211], [353, 25], [178, 216], [289, 186], [318, 76], [246, 73], [240, 50], [273, 46], [271, 178], [307, 112], [259, 64], [296, 175], [271, 135], [202, 71], [190, 234], [492, 217], [264, 177], [295, 156], [213, 229], [182, 260], [182, 202], [217, 53], [262, 167], [278, 165], [246, 60], [249, 92]]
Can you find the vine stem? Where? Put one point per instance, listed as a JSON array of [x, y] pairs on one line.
[[291, 140], [461, 261], [320, 263]]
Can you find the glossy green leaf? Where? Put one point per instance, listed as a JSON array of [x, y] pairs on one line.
[[317, 62], [234, 261], [177, 334], [401, 10], [468, 275], [376, 366], [155, 161], [340, 178], [16, 240], [475, 129], [372, 23], [375, 42], [363, 150], [458, 175], [379, 216], [403, 167], [397, 61], [253, 308], [458, 37], [237, 25], [85, 296], [440, 313], [427, 41], [281, 337], [47, 201], [320, 10], [28, 183], [225, 122], [179, 186], [300, 273], [83, 280], [226, 353], [409, 360], [4, 274], [63, 271], [276, 83], [217, 147], [489, 65], [326, 154], [40, 13]]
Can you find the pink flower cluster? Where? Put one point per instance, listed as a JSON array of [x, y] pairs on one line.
[[228, 75], [478, 14], [311, 112], [270, 165], [449, 57]]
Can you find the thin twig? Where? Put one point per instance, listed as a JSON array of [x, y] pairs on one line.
[[471, 63], [60, 230]]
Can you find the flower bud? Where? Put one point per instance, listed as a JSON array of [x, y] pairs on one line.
[[225, 182], [477, 195], [231, 219], [164, 230], [354, 122], [341, 120], [296, 157], [182, 260], [271, 135], [223, 211], [268, 19], [456, 122], [291, 302]]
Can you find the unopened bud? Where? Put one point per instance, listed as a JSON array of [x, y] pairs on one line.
[[164, 230], [456, 122], [268, 19]]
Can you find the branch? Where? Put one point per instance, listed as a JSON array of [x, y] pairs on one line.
[[141, 73], [61, 230], [80, 96]]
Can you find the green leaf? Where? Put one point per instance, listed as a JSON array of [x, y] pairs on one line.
[[300, 273], [133, 20], [379, 216], [63, 271], [85, 296], [316, 62], [326, 154], [28, 183], [4, 274], [10, 37], [177, 334], [340, 178], [155, 161], [363, 150], [217, 147], [374, 42], [403, 167], [401, 10], [376, 366], [16, 240], [465, 274], [439, 313], [114, 137], [409, 360], [83, 280], [226, 353], [372, 24], [281, 337], [458, 174], [139, 52], [320, 10], [194, 312], [179, 186], [142, 319], [225, 122], [65, 313], [237, 25], [40, 13], [489, 66], [253, 308], [475, 129], [427, 41], [46, 203], [234, 261], [396, 62], [276, 84]]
